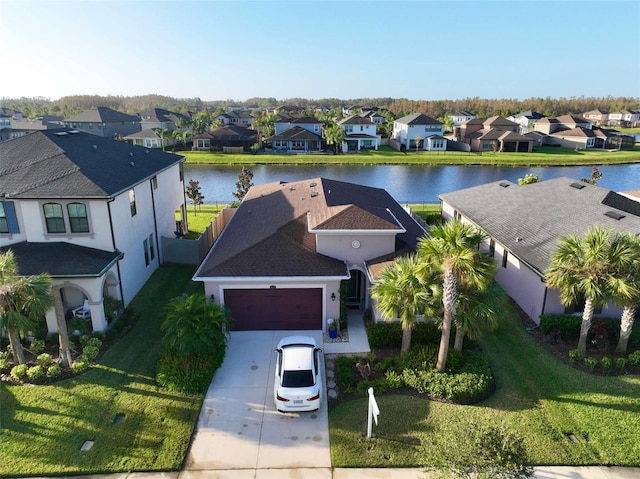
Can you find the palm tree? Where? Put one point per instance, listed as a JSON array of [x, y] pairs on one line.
[[194, 325], [23, 301], [632, 274], [453, 252], [334, 136], [477, 311], [590, 268], [166, 134], [401, 294]]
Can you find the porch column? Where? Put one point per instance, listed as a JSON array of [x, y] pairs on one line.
[[98, 320]]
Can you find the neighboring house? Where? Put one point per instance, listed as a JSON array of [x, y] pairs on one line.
[[280, 261], [296, 134], [230, 136], [158, 118], [462, 116], [374, 116], [419, 132], [525, 223], [360, 133], [236, 118], [89, 211], [526, 119], [149, 138], [5, 126], [597, 117], [624, 118], [495, 134], [550, 125], [105, 122]]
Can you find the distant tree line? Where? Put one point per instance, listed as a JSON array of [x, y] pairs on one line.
[[481, 107]]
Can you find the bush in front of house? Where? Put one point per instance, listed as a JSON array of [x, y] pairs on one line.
[[35, 373], [45, 360], [389, 335], [19, 372], [568, 326], [194, 343], [54, 371]]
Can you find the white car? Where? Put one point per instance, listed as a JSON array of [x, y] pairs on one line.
[[298, 382]]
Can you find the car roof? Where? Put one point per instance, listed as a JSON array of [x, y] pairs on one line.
[[304, 340]]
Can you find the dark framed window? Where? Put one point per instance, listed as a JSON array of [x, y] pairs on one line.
[[54, 218], [132, 202], [4, 224], [154, 182], [504, 258], [78, 221], [151, 250], [145, 245], [492, 247]]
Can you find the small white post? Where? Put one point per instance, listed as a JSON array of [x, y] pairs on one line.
[[372, 413]]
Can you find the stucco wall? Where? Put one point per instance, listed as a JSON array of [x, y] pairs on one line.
[[342, 246]]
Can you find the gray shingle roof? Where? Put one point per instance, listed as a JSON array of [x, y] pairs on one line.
[[529, 220], [61, 164], [356, 120], [269, 235], [79, 261], [101, 114], [295, 133], [418, 119]]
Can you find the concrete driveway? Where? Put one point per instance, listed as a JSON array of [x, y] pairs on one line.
[[239, 428]]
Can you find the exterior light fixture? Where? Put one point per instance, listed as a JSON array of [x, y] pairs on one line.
[[333, 296]]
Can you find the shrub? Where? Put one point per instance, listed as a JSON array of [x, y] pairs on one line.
[[89, 353], [45, 360], [19, 372], [605, 362], [378, 385], [191, 374], [80, 366], [419, 357], [93, 342], [384, 365], [84, 339], [590, 362], [384, 335], [345, 376], [634, 358], [368, 316], [620, 362], [54, 371], [567, 325], [35, 373], [37, 346], [574, 355], [5, 360], [462, 388], [425, 333], [393, 379]]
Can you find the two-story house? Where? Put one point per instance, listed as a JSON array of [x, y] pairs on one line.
[[624, 118], [105, 122], [419, 132], [90, 212], [280, 261], [462, 116], [495, 133], [296, 134], [360, 133], [597, 116], [236, 118], [526, 119]]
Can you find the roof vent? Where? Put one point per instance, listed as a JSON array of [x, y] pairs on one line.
[[132, 164], [504, 184], [61, 133], [291, 188], [577, 186], [146, 151], [314, 194], [615, 215], [131, 153], [313, 184], [95, 147], [74, 132]]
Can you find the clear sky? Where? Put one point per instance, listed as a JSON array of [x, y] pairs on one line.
[[420, 50]]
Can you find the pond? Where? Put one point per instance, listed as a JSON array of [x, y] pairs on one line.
[[406, 183]]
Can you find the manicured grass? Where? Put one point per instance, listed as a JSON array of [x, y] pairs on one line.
[[538, 396], [199, 219], [43, 427], [544, 156]]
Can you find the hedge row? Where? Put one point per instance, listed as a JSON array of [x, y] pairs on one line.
[[568, 327]]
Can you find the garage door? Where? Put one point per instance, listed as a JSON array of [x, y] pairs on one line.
[[274, 309]]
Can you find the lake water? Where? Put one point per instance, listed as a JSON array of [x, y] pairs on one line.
[[406, 183]]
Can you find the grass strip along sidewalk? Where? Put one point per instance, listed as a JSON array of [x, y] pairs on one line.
[[43, 427], [544, 156], [542, 399]]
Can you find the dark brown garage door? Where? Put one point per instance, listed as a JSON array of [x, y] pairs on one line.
[[278, 309]]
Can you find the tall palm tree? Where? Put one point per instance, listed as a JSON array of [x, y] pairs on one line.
[[632, 273], [590, 268], [334, 135], [23, 301], [453, 251], [477, 311], [401, 294], [166, 134]]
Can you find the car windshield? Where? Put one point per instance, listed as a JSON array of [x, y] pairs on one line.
[[297, 379]]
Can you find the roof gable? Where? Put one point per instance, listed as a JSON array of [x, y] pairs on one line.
[[101, 114], [418, 119]]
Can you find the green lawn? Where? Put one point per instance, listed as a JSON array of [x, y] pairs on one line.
[[540, 397], [43, 427], [199, 218], [545, 156]]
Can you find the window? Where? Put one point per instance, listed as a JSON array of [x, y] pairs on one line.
[[145, 245], [54, 218], [578, 307], [4, 224], [154, 182], [78, 218], [151, 250], [504, 258], [132, 202], [492, 248]]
